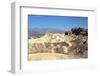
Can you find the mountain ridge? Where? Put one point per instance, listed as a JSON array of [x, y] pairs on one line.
[[42, 31]]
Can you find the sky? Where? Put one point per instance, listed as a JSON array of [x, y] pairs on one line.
[[58, 22]]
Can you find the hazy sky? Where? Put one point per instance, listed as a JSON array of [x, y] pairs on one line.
[[59, 22]]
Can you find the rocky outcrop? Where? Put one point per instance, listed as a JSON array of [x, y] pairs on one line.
[[61, 47], [59, 43], [52, 43], [79, 46]]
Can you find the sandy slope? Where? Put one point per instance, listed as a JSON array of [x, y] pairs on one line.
[[49, 56]]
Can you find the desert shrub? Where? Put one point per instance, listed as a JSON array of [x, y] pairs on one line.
[[78, 31], [66, 32]]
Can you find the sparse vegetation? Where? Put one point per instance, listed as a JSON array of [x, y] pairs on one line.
[[78, 31]]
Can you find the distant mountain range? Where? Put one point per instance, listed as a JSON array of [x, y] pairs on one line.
[[42, 31]]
